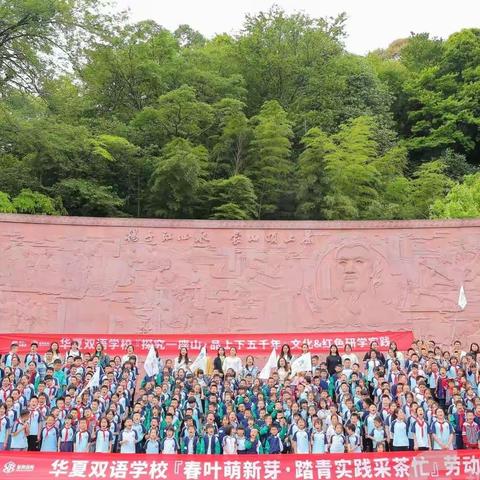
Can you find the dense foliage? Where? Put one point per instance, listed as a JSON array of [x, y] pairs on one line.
[[102, 117]]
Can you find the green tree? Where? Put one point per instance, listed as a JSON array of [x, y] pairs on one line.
[[176, 180], [444, 101], [312, 185], [6, 205], [37, 34], [462, 201], [351, 176], [35, 203], [430, 183], [231, 144], [177, 114], [231, 198], [86, 198], [269, 165]]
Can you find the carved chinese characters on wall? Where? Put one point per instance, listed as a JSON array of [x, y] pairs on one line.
[[202, 277]]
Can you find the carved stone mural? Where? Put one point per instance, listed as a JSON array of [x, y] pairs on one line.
[[85, 275]]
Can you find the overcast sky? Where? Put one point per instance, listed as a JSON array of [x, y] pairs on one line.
[[371, 23]]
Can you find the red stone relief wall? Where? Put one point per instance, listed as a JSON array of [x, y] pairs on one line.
[[162, 276]]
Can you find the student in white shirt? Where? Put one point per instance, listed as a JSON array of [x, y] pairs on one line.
[[420, 432], [337, 441], [152, 445], [103, 442], [233, 362], [301, 439], [229, 442], [169, 444], [128, 437], [82, 437]]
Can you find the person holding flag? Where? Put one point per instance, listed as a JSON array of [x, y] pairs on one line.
[[151, 363], [303, 363], [269, 366], [200, 363]]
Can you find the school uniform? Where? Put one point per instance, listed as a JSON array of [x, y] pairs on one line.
[[169, 445], [319, 441], [131, 437], [355, 443], [19, 441], [378, 435], [241, 445], [4, 428], [399, 432], [82, 441], [152, 446], [337, 443], [140, 430], [274, 444], [103, 441], [49, 439], [420, 433], [442, 430], [229, 445], [67, 437], [189, 444], [209, 445], [302, 440], [253, 447]]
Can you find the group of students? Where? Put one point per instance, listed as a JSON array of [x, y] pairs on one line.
[[422, 399]]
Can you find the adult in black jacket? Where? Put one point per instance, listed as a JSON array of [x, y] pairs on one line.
[[219, 359], [333, 359]]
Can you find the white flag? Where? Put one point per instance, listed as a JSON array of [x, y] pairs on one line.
[[302, 364], [200, 362], [462, 298], [271, 363], [151, 362], [93, 382]]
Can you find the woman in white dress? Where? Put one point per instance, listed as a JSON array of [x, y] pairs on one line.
[[182, 360], [233, 362]]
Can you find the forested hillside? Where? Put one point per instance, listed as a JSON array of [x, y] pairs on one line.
[[103, 117]]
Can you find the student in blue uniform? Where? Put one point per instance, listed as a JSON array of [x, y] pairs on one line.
[[82, 437], [169, 444], [48, 436], [189, 441], [209, 443], [399, 431], [19, 432], [274, 444], [104, 437], [442, 432], [4, 428], [337, 440], [420, 431], [354, 442], [301, 439], [318, 438], [67, 436], [152, 444]]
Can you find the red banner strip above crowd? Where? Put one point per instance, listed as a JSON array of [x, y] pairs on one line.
[[254, 344], [454, 465]]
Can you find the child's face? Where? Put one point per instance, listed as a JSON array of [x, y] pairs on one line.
[[338, 429], [169, 434]]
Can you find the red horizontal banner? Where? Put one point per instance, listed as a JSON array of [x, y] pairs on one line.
[[454, 465], [259, 344]]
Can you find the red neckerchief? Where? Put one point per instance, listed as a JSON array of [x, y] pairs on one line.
[[105, 432], [47, 430], [441, 426], [421, 424], [66, 434]]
